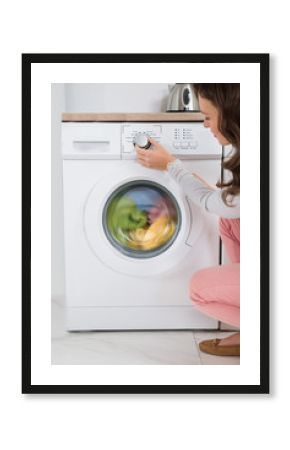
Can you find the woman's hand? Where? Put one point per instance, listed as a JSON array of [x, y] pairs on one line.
[[156, 157]]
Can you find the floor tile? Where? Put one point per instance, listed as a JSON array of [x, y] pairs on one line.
[[122, 347]]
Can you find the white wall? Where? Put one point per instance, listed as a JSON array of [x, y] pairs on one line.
[[57, 237], [88, 98], [133, 97]]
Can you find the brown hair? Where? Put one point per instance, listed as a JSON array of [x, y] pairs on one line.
[[226, 98]]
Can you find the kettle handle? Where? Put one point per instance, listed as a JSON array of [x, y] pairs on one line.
[[186, 97]]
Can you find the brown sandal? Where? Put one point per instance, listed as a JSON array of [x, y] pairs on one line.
[[213, 348]]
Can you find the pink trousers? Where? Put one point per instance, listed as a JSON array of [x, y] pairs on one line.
[[216, 291]]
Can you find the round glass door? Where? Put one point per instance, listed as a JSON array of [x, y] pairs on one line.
[[141, 219]]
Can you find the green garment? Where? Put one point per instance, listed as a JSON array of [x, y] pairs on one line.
[[123, 215]]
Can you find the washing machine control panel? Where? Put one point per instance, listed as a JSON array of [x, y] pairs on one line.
[[185, 140], [131, 130]]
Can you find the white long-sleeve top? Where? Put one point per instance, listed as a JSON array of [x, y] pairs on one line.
[[209, 198]]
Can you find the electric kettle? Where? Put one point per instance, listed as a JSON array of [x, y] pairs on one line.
[[182, 98]]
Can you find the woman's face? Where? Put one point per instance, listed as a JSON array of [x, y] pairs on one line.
[[211, 119]]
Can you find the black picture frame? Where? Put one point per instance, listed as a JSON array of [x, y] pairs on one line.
[[263, 61]]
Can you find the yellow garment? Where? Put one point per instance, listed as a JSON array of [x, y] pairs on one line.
[[157, 234]]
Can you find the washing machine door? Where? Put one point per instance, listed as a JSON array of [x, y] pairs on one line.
[[137, 221]]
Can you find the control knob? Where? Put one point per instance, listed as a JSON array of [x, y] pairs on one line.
[[142, 140]]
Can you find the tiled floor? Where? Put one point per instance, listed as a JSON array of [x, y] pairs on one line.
[[130, 347]]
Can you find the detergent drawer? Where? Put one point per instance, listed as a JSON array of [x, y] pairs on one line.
[[91, 141]]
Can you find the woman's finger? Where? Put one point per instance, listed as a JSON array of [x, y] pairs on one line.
[[139, 149], [141, 152], [152, 141], [143, 161]]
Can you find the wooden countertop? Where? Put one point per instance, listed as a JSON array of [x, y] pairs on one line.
[[133, 117]]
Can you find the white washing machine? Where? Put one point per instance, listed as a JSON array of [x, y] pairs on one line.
[[132, 238]]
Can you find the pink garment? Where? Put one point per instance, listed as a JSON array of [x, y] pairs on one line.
[[216, 291]]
